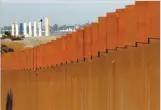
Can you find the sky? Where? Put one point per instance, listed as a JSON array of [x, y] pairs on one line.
[[59, 12]]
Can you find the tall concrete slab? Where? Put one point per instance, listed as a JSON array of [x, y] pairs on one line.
[[46, 26], [30, 29], [13, 29], [35, 29], [25, 29], [17, 30], [40, 29]]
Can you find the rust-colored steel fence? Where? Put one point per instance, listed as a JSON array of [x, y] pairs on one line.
[[109, 65], [125, 27], [126, 79]]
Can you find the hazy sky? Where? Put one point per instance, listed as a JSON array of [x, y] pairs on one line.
[[60, 12]]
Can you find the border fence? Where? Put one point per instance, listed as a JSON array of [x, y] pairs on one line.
[[112, 64]]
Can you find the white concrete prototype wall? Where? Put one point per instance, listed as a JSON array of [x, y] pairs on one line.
[[17, 29], [40, 29], [13, 29], [30, 29], [46, 26], [35, 29], [25, 30]]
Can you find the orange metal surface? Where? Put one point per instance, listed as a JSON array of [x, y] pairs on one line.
[[69, 47], [102, 34], [120, 80], [44, 48], [130, 21], [121, 27], [95, 39], [26, 57], [63, 47], [59, 50], [143, 24], [74, 46], [154, 18], [111, 30], [19, 57], [44, 55], [125, 79], [65, 43], [38, 57], [80, 44], [32, 58], [87, 41], [48, 55], [51, 62], [2, 60], [125, 27]]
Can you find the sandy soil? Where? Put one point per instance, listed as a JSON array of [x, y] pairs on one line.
[[27, 42]]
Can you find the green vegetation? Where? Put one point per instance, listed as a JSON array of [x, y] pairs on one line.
[[6, 35], [5, 49]]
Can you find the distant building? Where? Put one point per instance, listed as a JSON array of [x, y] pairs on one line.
[[5, 28], [64, 29], [21, 29]]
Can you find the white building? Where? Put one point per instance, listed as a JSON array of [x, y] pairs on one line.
[[32, 29]]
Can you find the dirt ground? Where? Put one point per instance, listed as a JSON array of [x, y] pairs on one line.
[[27, 42]]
